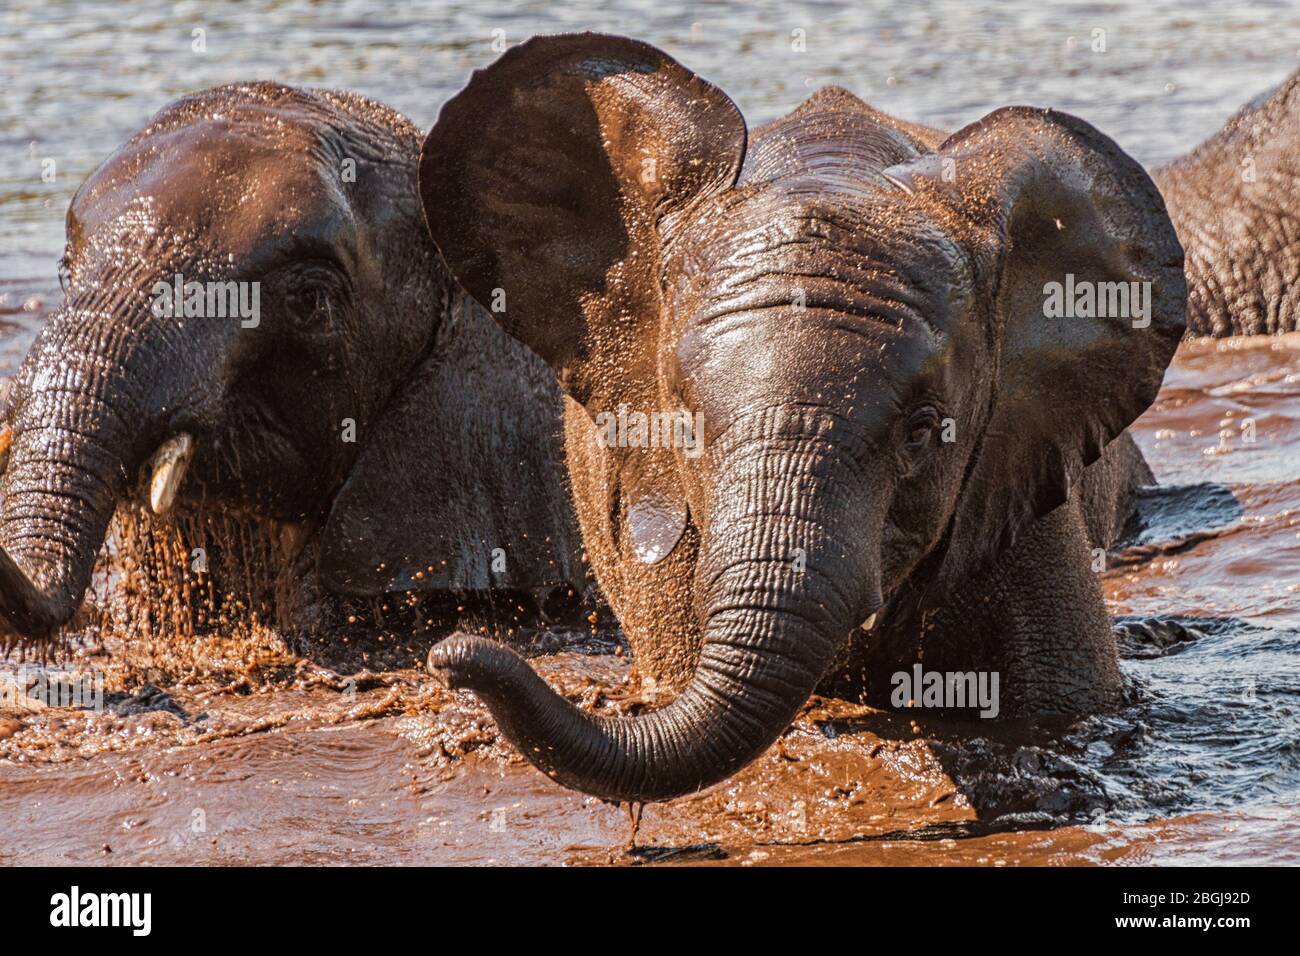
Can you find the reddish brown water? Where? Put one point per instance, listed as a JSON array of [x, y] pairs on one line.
[[250, 755]]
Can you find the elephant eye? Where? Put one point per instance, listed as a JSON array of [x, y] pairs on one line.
[[920, 428], [312, 294], [305, 303], [920, 425]]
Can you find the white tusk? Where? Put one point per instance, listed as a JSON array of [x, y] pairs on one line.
[[168, 470], [869, 623]]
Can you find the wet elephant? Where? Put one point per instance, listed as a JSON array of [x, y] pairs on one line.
[[1234, 202], [257, 321], [905, 455]]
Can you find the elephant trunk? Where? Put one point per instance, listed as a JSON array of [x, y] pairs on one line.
[[57, 505], [772, 624], [67, 469]]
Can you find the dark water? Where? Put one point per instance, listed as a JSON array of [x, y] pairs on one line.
[[1204, 767]]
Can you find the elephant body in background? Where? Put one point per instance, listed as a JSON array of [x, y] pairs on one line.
[[907, 459], [370, 409], [1235, 201]]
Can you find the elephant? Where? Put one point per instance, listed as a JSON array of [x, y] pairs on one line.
[[1232, 200], [257, 322], [903, 456]]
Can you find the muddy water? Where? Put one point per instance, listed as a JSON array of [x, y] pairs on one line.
[[249, 754], [239, 751]]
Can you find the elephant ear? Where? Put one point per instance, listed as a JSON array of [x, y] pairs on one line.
[[547, 184], [1051, 208], [544, 182]]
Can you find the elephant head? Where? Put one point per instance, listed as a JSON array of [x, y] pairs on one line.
[[829, 308], [256, 317]]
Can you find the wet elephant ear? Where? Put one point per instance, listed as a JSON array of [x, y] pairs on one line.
[[547, 183], [1045, 202], [545, 180]]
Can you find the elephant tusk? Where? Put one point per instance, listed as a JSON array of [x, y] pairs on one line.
[[870, 622], [6, 439], [168, 471]]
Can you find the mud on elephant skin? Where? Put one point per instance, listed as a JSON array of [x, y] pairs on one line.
[[837, 295], [370, 414]]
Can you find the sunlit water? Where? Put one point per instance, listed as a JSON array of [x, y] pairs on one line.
[[1204, 766]]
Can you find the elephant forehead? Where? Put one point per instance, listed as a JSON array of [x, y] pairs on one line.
[[875, 258], [222, 181]]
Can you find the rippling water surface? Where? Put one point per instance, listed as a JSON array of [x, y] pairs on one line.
[[1204, 767]]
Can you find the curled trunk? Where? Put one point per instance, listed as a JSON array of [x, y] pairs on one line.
[[770, 630]]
